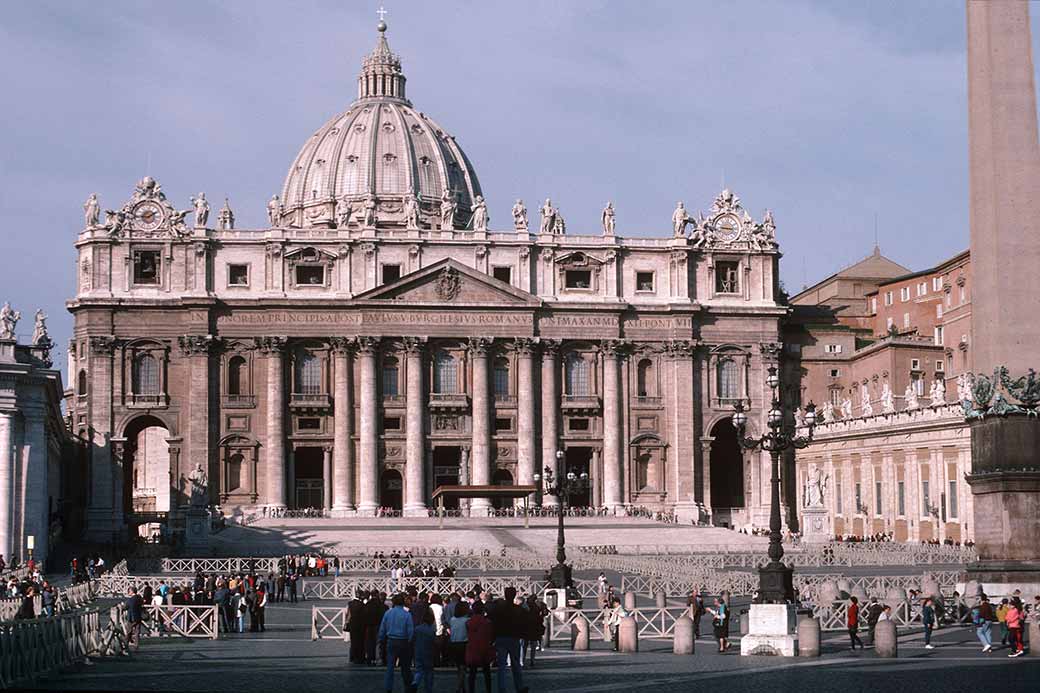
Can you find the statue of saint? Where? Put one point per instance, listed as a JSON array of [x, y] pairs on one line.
[[846, 408], [827, 413], [40, 335], [815, 487], [343, 209], [114, 220], [559, 225], [548, 217], [480, 214], [201, 210], [520, 216], [910, 395], [273, 209], [91, 211], [199, 486], [865, 406], [964, 388], [888, 404], [799, 418], [411, 212], [679, 220], [938, 392], [8, 321], [369, 218], [448, 207], [608, 219]]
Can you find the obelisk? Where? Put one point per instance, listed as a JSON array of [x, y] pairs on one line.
[[1005, 283]]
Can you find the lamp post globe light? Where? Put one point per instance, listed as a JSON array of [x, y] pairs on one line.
[[562, 486], [776, 586]]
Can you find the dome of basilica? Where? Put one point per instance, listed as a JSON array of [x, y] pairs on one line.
[[380, 149]]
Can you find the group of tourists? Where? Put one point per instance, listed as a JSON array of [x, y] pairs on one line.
[[469, 632], [309, 565]]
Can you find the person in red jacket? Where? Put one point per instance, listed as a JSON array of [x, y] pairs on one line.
[[480, 648], [853, 622]]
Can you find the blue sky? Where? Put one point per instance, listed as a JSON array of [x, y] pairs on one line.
[[830, 113]]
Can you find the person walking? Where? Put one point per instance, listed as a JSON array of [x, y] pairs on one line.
[[396, 631], [458, 637], [509, 621], [1015, 619], [480, 651], [981, 616], [874, 610], [135, 616], [617, 612], [261, 606], [1002, 620], [852, 621], [720, 622], [696, 604], [423, 647], [536, 613], [928, 620], [356, 628], [374, 609], [48, 599]]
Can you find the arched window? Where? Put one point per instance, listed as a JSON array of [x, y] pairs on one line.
[[728, 379], [236, 375], [81, 383], [390, 371], [308, 374], [145, 376], [445, 374], [577, 375], [644, 378], [501, 377]]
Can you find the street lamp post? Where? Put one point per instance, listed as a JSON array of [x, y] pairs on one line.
[[561, 486], [775, 578]]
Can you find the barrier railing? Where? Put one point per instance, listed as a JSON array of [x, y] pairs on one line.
[[328, 622], [186, 621], [834, 554], [653, 624], [65, 599], [32, 648], [347, 587], [228, 566]]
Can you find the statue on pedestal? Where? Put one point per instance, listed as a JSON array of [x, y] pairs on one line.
[[411, 212], [827, 413], [40, 335], [480, 214], [199, 492], [815, 487], [865, 406], [608, 219], [201, 207], [91, 211], [274, 207], [369, 218], [679, 220], [846, 408], [888, 404], [8, 321], [520, 216], [937, 393], [448, 207], [910, 395], [548, 217], [964, 388]]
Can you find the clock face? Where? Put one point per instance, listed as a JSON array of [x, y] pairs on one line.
[[148, 216], [727, 228]]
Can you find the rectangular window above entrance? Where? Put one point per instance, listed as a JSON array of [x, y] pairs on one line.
[[391, 273], [238, 275], [310, 275], [391, 423], [727, 277], [578, 279]]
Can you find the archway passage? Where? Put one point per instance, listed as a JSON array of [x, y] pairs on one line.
[[501, 477], [579, 461], [727, 467], [146, 469], [390, 489], [446, 471]]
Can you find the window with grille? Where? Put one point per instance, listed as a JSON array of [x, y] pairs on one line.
[[952, 500], [577, 375], [308, 374], [726, 277], [728, 379], [501, 376], [926, 501], [877, 497], [145, 377], [445, 374], [390, 371]]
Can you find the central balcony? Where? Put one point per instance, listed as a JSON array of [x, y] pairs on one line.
[[310, 401], [580, 403], [449, 401]]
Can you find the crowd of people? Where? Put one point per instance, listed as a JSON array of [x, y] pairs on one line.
[[469, 632]]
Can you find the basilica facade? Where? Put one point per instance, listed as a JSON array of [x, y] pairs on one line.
[[379, 339]]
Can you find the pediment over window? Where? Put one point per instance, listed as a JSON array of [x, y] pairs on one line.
[[579, 259], [452, 283]]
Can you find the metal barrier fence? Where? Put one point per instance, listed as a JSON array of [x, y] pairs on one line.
[[32, 648], [328, 622], [353, 564], [347, 587], [652, 623], [904, 614], [65, 599], [835, 554], [186, 621]]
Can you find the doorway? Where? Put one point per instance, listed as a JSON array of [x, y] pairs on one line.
[[502, 477], [446, 471], [579, 460], [727, 469], [390, 490], [310, 485]]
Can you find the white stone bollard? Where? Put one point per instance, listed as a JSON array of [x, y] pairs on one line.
[[682, 640], [629, 601], [580, 634], [808, 637], [660, 600], [1033, 628], [628, 635], [886, 642]]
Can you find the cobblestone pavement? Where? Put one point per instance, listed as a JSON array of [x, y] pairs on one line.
[[284, 659]]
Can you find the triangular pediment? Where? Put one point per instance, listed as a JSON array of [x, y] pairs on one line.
[[450, 283]]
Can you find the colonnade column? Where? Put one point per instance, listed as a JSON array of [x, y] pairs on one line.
[[369, 476], [273, 347], [481, 452], [525, 411], [415, 448], [550, 407], [6, 485], [343, 423], [612, 492]]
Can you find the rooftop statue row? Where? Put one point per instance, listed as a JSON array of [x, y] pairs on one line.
[[148, 212]]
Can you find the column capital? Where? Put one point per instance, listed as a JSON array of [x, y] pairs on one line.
[[770, 350], [681, 348], [104, 345], [414, 345], [615, 348], [706, 442], [197, 344], [524, 346], [270, 346], [480, 346], [368, 345], [550, 347], [343, 345]]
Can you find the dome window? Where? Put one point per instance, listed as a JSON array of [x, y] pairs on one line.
[[360, 127], [388, 127]]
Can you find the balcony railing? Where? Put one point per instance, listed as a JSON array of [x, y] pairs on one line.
[[648, 401], [239, 401], [148, 401], [580, 402], [310, 400], [449, 400], [505, 399]]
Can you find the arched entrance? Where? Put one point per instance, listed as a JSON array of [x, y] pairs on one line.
[[146, 469], [502, 477], [727, 472], [391, 487]]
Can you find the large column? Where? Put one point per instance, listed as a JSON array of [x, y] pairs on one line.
[[596, 478], [343, 423], [273, 347], [197, 348], [104, 501], [290, 477], [525, 412], [550, 410], [481, 453], [368, 482], [612, 491], [706, 442], [415, 448], [34, 506], [6, 485]]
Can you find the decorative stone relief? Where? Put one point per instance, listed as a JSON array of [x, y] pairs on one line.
[[449, 282]]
